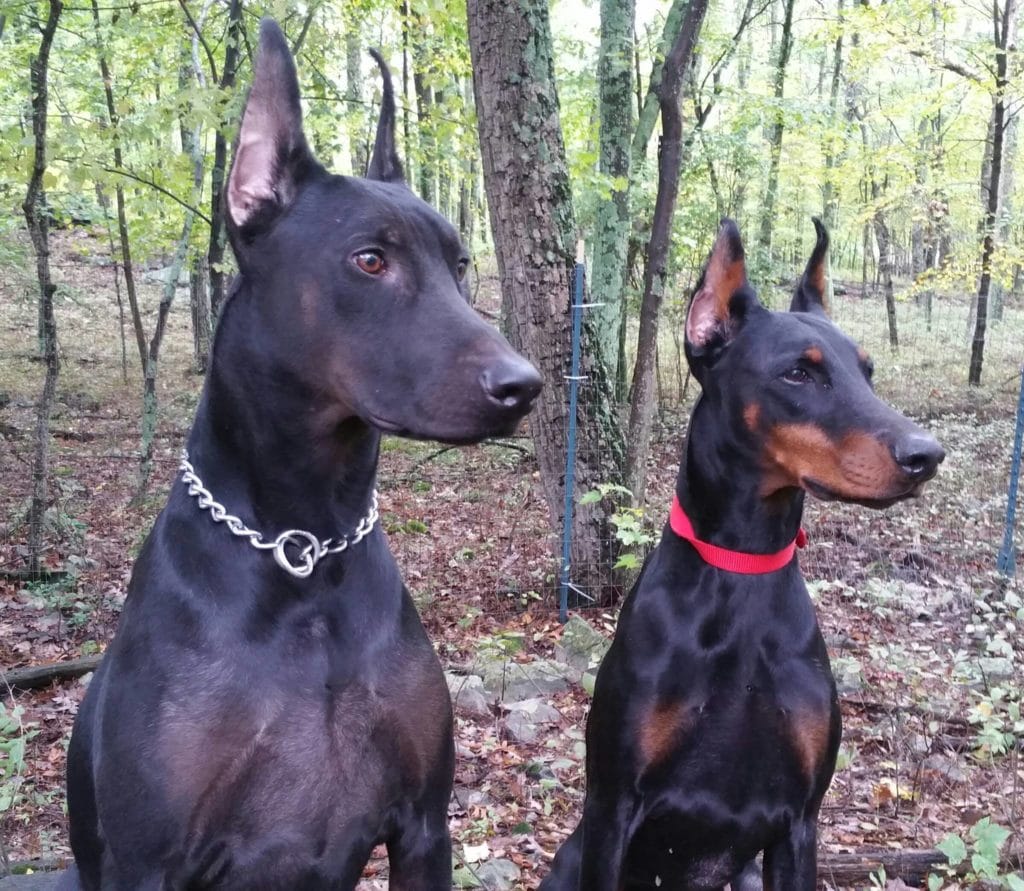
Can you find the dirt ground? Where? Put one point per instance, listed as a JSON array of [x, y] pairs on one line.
[[924, 636]]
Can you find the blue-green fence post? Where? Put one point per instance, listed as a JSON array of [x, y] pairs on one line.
[[573, 377], [1006, 562]]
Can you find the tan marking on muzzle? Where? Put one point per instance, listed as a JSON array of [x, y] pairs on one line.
[[857, 467]]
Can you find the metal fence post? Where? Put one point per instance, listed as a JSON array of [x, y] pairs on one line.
[[1006, 562], [570, 450]]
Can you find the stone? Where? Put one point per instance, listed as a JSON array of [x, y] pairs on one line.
[[469, 697], [514, 681], [498, 874], [582, 646]]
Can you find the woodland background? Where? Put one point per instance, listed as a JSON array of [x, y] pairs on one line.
[[631, 127]]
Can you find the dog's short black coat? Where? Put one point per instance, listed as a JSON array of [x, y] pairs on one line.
[[250, 730], [715, 723]]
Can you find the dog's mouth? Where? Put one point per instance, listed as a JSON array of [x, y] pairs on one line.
[[450, 437], [824, 493]]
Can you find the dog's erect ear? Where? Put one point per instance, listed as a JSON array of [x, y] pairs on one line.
[[810, 291], [385, 164], [271, 155], [714, 316]]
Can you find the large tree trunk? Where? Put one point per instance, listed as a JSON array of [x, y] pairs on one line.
[[218, 233], [1004, 26], [775, 133], [530, 202], [641, 413], [611, 231], [36, 217]]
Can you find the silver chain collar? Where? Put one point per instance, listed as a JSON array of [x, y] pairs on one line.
[[310, 550]]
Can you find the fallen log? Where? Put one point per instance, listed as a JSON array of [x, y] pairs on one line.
[[35, 676]]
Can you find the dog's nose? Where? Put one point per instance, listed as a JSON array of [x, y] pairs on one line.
[[511, 382], [918, 455]]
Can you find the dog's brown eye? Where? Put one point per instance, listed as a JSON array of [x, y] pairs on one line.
[[461, 269], [797, 376], [370, 262]]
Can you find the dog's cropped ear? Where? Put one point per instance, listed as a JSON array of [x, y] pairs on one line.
[[810, 290], [271, 154], [385, 164], [722, 298]]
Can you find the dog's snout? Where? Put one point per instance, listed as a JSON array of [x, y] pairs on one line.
[[511, 382], [918, 455]]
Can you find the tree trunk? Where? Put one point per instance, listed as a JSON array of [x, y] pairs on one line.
[[611, 230], [530, 203], [218, 234], [359, 146], [37, 219], [426, 180], [775, 133], [641, 410], [1003, 30], [113, 120], [829, 201], [885, 263]]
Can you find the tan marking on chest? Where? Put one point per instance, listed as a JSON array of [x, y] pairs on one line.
[[661, 730], [809, 735]]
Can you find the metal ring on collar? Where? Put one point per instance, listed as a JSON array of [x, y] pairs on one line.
[[309, 554]]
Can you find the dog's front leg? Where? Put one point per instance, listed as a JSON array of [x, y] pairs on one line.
[[607, 829], [792, 863], [420, 853]]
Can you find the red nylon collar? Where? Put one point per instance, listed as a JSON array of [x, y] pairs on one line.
[[732, 561]]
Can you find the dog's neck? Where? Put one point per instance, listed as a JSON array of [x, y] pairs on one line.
[[270, 454], [722, 495]]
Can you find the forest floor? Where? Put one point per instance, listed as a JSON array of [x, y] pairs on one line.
[[924, 637]]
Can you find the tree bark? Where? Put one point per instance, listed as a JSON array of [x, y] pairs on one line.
[[775, 133], [530, 203], [37, 219], [1003, 29], [829, 201], [611, 230], [113, 122], [641, 411], [218, 234]]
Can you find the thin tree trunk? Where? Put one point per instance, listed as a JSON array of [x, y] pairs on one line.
[[775, 133], [113, 121], [215, 249], [150, 406], [37, 219], [641, 410], [885, 264], [829, 201], [611, 230], [1003, 29], [104, 203]]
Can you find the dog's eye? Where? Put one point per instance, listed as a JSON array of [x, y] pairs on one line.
[[371, 262], [797, 375], [869, 369], [460, 270]]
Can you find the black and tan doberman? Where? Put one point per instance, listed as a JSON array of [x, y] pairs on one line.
[[715, 722], [271, 708]]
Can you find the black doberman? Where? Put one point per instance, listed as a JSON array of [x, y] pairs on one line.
[[715, 722], [271, 708]]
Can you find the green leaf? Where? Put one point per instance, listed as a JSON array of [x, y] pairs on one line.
[[954, 848]]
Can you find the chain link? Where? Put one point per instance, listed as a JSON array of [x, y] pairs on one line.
[[309, 550]]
